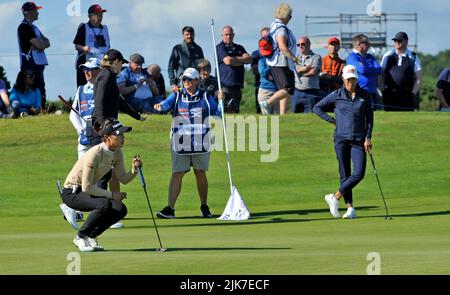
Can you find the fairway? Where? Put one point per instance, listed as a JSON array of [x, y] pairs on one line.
[[290, 230]]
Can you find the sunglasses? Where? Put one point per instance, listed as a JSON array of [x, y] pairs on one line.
[[187, 80], [30, 76], [301, 44]]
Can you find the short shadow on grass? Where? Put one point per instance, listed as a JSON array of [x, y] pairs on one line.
[[198, 249]]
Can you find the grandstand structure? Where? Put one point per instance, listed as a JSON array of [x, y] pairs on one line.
[[378, 28]]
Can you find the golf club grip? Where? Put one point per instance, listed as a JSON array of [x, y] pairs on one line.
[[141, 176]]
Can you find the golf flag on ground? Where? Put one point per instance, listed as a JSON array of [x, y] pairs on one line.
[[235, 209]]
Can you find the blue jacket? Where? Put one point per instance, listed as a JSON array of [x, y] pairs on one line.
[[353, 119], [266, 80], [368, 70]]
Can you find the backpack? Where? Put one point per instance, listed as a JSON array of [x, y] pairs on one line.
[[267, 44]]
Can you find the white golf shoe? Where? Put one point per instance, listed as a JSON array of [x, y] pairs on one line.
[[333, 204], [117, 225], [351, 213], [94, 244], [70, 214], [83, 244]]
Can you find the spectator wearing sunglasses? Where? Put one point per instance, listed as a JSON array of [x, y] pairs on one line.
[[25, 96], [91, 40], [402, 73], [190, 138], [307, 87]]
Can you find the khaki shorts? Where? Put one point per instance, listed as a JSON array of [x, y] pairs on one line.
[[183, 163]]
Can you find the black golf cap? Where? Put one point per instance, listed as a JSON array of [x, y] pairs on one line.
[[27, 6], [114, 54], [400, 36], [115, 128]]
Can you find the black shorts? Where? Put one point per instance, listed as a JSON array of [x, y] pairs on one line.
[[284, 78]]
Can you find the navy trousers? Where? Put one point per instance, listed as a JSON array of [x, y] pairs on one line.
[[348, 151]]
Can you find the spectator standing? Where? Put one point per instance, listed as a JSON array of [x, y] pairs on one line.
[[332, 65], [91, 40], [306, 79], [32, 45], [25, 96], [402, 73], [184, 55], [6, 111], [191, 107], [154, 71], [366, 64], [231, 58], [353, 118], [207, 82], [443, 90], [135, 84], [282, 62]]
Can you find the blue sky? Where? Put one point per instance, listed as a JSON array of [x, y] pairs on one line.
[[152, 28]]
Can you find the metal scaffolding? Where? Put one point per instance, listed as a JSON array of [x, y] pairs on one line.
[[345, 26]]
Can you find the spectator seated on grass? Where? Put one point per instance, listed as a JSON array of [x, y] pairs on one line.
[[25, 96], [6, 110]]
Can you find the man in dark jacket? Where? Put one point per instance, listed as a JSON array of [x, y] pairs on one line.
[[107, 97], [184, 55]]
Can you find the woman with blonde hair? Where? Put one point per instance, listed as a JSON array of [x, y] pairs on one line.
[[283, 60]]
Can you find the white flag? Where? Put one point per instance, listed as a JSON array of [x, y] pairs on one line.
[[235, 209]]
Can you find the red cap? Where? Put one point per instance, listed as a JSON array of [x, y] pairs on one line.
[[334, 40], [27, 6], [96, 8]]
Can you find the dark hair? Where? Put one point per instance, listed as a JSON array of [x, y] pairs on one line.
[[20, 85], [188, 29]]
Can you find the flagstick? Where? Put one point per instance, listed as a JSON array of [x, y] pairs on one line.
[[221, 106]]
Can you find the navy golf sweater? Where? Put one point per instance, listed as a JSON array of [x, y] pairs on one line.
[[353, 118]]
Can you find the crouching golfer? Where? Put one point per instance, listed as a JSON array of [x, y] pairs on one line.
[[82, 193], [354, 122], [190, 138]]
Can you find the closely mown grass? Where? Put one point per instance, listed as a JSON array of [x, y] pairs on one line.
[[291, 230]]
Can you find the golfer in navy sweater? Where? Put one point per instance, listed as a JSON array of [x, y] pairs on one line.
[[354, 122]]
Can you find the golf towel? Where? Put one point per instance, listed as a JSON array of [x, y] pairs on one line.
[[235, 209]]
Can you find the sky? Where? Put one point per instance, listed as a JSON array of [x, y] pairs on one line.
[[153, 27]]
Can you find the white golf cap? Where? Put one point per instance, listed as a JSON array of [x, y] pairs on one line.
[[190, 73], [349, 71], [91, 63]]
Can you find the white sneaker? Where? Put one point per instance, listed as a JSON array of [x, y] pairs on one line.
[[93, 242], [70, 214], [83, 244], [117, 225], [351, 213], [333, 204]]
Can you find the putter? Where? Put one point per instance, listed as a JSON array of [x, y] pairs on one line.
[[387, 217], [141, 176]]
